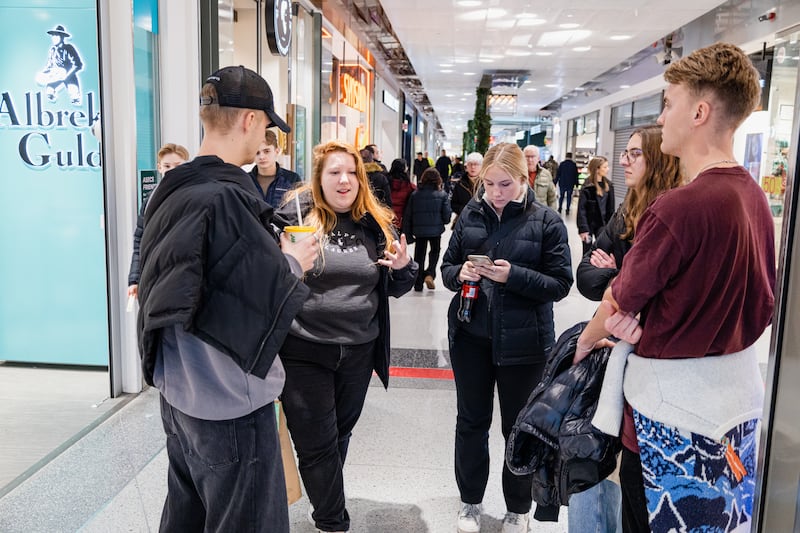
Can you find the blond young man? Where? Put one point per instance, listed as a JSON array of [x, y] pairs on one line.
[[693, 296], [217, 298]]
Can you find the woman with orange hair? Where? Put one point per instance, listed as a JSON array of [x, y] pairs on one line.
[[342, 332]]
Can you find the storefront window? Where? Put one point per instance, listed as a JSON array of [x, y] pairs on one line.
[[346, 92], [53, 278]]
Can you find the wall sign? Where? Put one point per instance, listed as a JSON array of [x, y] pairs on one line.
[[53, 278], [278, 14]]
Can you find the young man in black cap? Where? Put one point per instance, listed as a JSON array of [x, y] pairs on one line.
[[217, 296]]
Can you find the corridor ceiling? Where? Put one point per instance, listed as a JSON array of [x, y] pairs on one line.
[[563, 45]]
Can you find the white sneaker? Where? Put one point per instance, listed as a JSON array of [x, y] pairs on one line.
[[515, 523], [469, 518]]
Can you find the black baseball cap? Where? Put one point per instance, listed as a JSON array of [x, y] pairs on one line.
[[241, 87]]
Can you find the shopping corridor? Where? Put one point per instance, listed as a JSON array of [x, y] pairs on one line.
[[399, 473]]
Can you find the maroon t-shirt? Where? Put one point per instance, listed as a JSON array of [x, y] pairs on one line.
[[701, 271]]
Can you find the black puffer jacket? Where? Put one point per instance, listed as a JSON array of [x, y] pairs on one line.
[[553, 437], [591, 216], [211, 265], [592, 281], [427, 211], [516, 315]]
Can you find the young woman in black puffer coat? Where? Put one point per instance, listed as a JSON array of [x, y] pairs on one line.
[[427, 212], [595, 202]]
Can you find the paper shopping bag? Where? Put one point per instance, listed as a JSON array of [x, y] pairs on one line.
[[293, 490]]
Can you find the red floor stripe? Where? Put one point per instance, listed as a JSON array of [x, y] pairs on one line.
[[427, 373]]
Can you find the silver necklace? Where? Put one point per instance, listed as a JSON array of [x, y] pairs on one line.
[[721, 162]]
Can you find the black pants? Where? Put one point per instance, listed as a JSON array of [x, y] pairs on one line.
[[326, 385], [420, 247], [224, 475], [475, 377], [566, 194], [634, 504]]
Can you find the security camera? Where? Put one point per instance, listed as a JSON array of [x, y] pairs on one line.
[[767, 16]]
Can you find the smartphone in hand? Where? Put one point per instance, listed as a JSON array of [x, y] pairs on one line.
[[480, 260]]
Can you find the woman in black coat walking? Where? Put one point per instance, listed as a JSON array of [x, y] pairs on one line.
[[427, 212], [595, 202]]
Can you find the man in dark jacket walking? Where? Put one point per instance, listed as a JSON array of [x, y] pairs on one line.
[[567, 180], [443, 165], [420, 164], [217, 299]]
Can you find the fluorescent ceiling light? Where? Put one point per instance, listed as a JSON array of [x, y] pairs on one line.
[[558, 39], [520, 40], [620, 37], [469, 3], [581, 48], [485, 60], [569, 26], [544, 54], [518, 53], [484, 14]]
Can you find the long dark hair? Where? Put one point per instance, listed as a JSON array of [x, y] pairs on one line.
[[399, 170], [662, 174]]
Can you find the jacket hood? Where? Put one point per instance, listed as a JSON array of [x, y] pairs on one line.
[[372, 167], [189, 172]]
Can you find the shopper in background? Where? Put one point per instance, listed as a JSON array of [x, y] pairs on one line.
[[378, 181], [426, 215], [444, 166], [464, 189], [648, 173], [695, 293], [539, 178], [420, 164], [169, 156], [506, 343], [342, 332], [272, 180], [217, 299], [595, 202], [401, 187], [567, 179]]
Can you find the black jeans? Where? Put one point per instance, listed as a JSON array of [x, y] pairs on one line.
[[634, 505], [475, 377], [326, 385], [565, 194], [420, 247], [224, 475]]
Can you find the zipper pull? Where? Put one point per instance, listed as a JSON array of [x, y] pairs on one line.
[[737, 468]]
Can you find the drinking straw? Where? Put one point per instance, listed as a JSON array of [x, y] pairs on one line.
[[297, 206]]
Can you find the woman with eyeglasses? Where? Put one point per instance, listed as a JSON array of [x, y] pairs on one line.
[[648, 174], [595, 202]]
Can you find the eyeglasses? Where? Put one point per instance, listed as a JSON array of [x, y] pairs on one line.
[[630, 155]]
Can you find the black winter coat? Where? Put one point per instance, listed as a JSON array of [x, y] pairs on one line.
[[516, 315], [463, 191], [427, 211], [592, 281], [210, 264], [395, 283], [553, 437], [591, 218]]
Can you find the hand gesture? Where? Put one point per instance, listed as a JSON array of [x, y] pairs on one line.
[[399, 258], [601, 259], [305, 250]]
